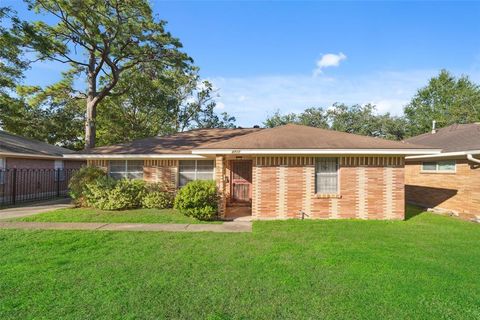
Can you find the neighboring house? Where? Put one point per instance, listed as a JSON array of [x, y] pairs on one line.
[[22, 153], [449, 181], [273, 173], [32, 170]]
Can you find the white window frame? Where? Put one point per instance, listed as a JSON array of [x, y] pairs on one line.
[[3, 168], [318, 176], [125, 171], [195, 172], [437, 166]]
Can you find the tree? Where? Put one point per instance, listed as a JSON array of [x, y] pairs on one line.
[[158, 102], [447, 100], [356, 119], [101, 40]]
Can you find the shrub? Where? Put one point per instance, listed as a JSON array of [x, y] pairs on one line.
[[198, 199], [158, 200], [80, 179], [109, 194]]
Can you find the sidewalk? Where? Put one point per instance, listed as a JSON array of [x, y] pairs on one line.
[[35, 208], [225, 227]]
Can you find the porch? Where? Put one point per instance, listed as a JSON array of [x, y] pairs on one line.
[[234, 181]]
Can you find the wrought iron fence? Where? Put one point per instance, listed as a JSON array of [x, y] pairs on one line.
[[23, 185]]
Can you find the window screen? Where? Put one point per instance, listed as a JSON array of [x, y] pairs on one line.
[[440, 166], [190, 170], [130, 169], [326, 176]]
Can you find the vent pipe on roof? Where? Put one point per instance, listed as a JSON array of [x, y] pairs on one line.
[[433, 127]]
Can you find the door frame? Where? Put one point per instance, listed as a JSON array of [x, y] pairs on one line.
[[232, 200]]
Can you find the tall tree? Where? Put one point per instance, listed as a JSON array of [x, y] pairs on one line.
[[447, 100], [355, 119], [101, 40]]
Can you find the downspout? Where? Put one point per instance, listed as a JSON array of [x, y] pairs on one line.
[[471, 158]]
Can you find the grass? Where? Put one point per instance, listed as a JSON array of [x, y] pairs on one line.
[[424, 268], [128, 216]]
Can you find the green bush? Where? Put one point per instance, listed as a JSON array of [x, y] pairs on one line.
[[198, 199], [158, 200], [80, 179], [109, 194]]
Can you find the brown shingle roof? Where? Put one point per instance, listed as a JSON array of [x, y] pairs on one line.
[[179, 143], [11, 143], [457, 137], [303, 137]]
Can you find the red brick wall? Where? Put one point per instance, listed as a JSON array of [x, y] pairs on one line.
[[370, 188], [458, 192], [28, 163]]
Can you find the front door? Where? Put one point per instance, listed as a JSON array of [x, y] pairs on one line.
[[241, 185]]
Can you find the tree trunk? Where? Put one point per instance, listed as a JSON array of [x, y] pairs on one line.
[[91, 115], [90, 127]]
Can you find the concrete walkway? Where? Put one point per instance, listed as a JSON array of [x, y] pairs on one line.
[[225, 227], [35, 208]]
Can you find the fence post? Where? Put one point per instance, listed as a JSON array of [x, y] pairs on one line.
[[14, 185], [58, 182]]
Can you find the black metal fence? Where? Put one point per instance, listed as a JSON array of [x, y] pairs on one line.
[[23, 185]]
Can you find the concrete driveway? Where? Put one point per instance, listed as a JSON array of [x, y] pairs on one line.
[[34, 208]]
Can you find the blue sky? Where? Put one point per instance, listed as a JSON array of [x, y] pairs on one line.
[[263, 56]]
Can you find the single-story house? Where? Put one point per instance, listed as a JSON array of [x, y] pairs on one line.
[[22, 153], [32, 170], [448, 181], [273, 173]]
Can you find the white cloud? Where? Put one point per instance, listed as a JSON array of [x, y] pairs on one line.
[[328, 60], [390, 91]]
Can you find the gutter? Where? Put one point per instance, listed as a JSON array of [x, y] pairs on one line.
[[113, 156], [396, 152], [447, 154], [471, 158], [28, 155]]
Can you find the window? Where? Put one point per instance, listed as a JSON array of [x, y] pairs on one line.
[[2, 170], [130, 169], [326, 172], [195, 170], [439, 166], [59, 172]]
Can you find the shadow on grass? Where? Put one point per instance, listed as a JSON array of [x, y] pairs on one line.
[[413, 211]]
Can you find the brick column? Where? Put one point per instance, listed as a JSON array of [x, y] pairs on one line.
[[220, 181]]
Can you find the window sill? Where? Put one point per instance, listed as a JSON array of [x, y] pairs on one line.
[[327, 196], [438, 172]]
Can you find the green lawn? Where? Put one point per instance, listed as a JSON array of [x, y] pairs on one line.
[[130, 216], [427, 267]]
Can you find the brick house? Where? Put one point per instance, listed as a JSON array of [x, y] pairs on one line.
[[448, 181], [32, 170], [273, 173], [22, 153]]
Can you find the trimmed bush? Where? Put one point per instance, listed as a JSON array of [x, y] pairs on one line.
[[158, 196], [198, 199], [80, 179], [109, 194]]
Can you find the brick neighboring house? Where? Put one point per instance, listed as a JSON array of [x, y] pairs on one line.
[[32, 170], [273, 173], [22, 153], [449, 181]]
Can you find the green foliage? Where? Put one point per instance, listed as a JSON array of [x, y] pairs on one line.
[[158, 197], [109, 194], [357, 119], [198, 199], [447, 100], [80, 180]]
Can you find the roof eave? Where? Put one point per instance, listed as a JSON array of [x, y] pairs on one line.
[[114, 156], [318, 151], [444, 155], [28, 155]]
